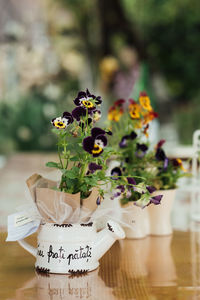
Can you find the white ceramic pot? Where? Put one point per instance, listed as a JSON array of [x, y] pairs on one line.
[[160, 215], [137, 220], [70, 248]]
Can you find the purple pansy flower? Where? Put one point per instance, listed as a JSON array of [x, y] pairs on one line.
[[95, 144], [115, 173], [141, 150], [156, 200], [125, 138], [151, 189], [120, 190], [87, 100], [94, 167], [123, 142], [63, 122]]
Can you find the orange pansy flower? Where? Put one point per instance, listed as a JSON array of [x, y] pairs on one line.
[[145, 101], [134, 110]]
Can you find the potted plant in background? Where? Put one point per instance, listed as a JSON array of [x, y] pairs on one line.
[[130, 122], [165, 173], [148, 164]]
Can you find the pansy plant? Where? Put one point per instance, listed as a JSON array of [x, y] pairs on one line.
[[130, 122], [83, 149]]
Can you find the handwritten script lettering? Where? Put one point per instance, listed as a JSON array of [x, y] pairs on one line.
[[80, 254], [56, 255]]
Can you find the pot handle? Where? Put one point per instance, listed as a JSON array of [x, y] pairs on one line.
[[32, 250]]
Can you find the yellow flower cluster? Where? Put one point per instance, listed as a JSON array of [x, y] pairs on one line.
[[141, 112]]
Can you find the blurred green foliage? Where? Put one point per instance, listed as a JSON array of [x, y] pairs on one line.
[[170, 30], [25, 124], [187, 120]]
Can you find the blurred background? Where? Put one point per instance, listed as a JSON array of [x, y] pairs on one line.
[[49, 50]]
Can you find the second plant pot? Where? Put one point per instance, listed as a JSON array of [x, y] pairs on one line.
[[160, 215], [137, 220]]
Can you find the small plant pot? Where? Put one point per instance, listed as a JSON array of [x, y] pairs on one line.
[[137, 220], [160, 215], [72, 248]]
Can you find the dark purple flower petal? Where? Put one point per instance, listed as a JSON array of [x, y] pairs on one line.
[[78, 112], [88, 144], [77, 102], [156, 199], [151, 189], [87, 93], [98, 202], [121, 188], [97, 131], [94, 167], [131, 180], [68, 116], [82, 94], [108, 132], [160, 154], [133, 135], [142, 147], [98, 100], [141, 150]]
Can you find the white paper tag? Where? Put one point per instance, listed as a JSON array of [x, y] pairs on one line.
[[20, 226], [22, 219]]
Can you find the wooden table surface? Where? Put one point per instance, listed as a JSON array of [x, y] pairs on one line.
[[151, 268]]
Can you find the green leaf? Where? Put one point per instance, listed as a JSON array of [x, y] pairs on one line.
[[73, 173], [74, 158], [70, 174], [52, 164]]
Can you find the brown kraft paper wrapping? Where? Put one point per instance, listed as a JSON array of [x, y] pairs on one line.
[[51, 202]]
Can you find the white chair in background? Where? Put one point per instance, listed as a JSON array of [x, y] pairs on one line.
[[195, 195], [196, 154]]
